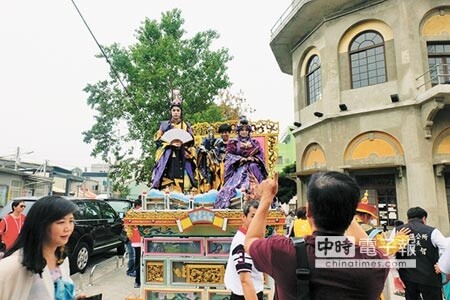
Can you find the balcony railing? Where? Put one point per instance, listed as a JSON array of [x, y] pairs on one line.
[[437, 74], [294, 6]]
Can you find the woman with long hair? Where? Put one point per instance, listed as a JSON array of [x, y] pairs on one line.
[[12, 223], [36, 267]]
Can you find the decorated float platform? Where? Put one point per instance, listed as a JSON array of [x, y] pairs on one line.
[[186, 241], [185, 252]]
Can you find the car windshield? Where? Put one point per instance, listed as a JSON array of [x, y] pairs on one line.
[[120, 206]]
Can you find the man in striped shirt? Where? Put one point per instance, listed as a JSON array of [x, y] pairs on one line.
[[241, 276]]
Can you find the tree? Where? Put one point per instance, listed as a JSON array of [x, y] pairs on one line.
[[287, 187], [131, 104], [232, 105]]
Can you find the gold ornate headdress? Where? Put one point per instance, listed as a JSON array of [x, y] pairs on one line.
[[177, 100]]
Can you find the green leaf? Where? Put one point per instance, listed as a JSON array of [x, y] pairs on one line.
[[161, 59]]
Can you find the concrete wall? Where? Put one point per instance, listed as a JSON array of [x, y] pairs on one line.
[[370, 108]]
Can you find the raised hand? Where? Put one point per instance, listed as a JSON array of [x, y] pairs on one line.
[[268, 188], [254, 190], [403, 231]]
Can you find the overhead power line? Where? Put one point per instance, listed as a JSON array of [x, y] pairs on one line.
[[105, 56]]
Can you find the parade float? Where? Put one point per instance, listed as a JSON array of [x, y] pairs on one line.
[[186, 240]]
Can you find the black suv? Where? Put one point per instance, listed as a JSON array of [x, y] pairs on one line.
[[98, 228], [121, 206]]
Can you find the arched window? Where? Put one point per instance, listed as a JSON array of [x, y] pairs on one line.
[[367, 61], [439, 62], [313, 80]]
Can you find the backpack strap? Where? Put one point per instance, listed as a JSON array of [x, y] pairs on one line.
[[302, 272]]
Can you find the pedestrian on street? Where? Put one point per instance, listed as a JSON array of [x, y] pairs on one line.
[[131, 271], [300, 226], [37, 267], [424, 246], [289, 222], [241, 276], [136, 243], [443, 267], [399, 287], [12, 224]]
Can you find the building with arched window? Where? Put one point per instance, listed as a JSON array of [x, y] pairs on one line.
[[372, 92]]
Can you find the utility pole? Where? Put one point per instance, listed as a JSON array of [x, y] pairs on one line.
[[17, 160]]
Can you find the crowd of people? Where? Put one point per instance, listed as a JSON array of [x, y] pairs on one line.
[[35, 264], [333, 208], [224, 164]]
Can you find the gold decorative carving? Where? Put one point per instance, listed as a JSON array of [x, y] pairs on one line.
[[164, 222], [205, 273], [237, 214], [155, 272], [160, 214], [263, 128], [230, 214], [129, 231], [260, 127], [174, 215], [180, 272], [272, 153]]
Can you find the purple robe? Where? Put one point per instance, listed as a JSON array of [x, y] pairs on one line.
[[237, 173], [172, 168]]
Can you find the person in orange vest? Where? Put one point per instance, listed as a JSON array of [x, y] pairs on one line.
[[136, 243], [12, 223]]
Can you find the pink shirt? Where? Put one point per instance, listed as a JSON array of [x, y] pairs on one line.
[[136, 236], [10, 228]]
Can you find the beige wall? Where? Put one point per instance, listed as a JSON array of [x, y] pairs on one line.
[[370, 108]]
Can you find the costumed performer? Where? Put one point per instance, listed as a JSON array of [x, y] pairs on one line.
[[220, 147], [244, 158], [211, 159], [365, 213], [175, 162], [206, 162]]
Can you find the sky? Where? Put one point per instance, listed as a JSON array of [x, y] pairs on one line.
[[47, 57]]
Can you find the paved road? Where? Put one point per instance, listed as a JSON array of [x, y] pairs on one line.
[[108, 278]]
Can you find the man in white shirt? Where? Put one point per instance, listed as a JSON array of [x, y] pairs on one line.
[[241, 276]]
